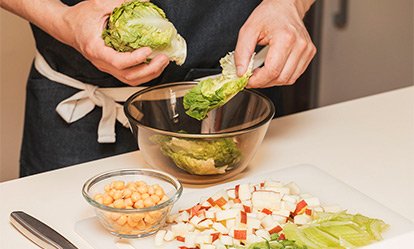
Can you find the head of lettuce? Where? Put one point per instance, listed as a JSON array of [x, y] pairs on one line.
[[139, 23]]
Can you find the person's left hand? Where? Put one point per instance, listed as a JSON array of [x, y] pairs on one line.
[[278, 24]]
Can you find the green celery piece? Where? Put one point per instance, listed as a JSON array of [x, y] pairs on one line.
[[321, 238], [292, 232], [352, 234]]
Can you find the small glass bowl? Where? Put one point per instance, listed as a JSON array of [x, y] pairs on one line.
[[134, 222]]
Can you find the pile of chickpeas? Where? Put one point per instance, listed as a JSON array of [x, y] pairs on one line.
[[132, 195]]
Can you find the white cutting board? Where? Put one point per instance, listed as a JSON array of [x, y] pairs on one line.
[[310, 179]]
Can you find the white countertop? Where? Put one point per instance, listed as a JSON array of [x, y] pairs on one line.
[[368, 143]]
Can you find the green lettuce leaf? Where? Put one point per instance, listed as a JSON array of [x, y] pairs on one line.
[[214, 92], [200, 157], [139, 24]]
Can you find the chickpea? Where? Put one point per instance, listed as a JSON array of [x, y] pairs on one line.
[[142, 189], [115, 216], [145, 196], [126, 193], [131, 221], [117, 195], [164, 198], [155, 198], [120, 203], [107, 200], [151, 190], [149, 220], [148, 202], [137, 217], [107, 188], [112, 192], [155, 214], [122, 220], [135, 196], [141, 225], [128, 202], [118, 185], [139, 204], [159, 192]]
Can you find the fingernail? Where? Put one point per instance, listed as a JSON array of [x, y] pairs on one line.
[[240, 70]]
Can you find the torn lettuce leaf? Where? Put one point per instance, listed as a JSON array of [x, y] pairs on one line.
[[214, 92], [200, 157]]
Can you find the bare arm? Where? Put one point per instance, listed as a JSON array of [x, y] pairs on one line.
[[80, 26], [278, 24]]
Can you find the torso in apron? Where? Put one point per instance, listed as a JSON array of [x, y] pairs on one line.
[[210, 29]]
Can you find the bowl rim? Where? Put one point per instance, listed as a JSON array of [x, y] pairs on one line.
[[201, 135], [120, 172]]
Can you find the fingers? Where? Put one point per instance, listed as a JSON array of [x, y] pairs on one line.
[[303, 64], [279, 50], [144, 72], [123, 60], [246, 43]]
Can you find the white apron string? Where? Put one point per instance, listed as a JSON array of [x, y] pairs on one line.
[[83, 102]]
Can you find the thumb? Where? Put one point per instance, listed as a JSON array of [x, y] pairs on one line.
[[246, 43], [110, 5]]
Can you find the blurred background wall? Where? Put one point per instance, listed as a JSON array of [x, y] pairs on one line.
[[372, 53]]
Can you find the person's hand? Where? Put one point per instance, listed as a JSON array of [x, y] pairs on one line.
[[82, 27], [278, 24]]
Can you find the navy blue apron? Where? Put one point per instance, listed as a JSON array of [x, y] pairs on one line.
[[210, 29]]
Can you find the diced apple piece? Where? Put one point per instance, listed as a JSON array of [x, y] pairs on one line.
[[227, 214], [159, 237], [263, 234], [252, 238], [291, 198], [240, 234], [226, 240], [169, 236], [300, 207], [290, 206], [243, 217], [220, 228], [275, 229], [231, 193], [183, 217], [179, 229], [268, 222], [253, 223], [281, 190], [210, 214], [294, 188], [312, 202], [214, 236], [282, 212], [244, 192], [265, 199], [204, 239], [195, 220], [261, 215], [205, 224], [302, 219], [231, 223], [190, 240], [279, 219], [207, 246]]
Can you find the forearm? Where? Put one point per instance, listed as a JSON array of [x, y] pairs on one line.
[[46, 14]]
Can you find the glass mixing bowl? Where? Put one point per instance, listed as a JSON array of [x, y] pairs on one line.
[[197, 152]]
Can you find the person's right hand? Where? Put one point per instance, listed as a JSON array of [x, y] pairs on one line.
[[82, 27]]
